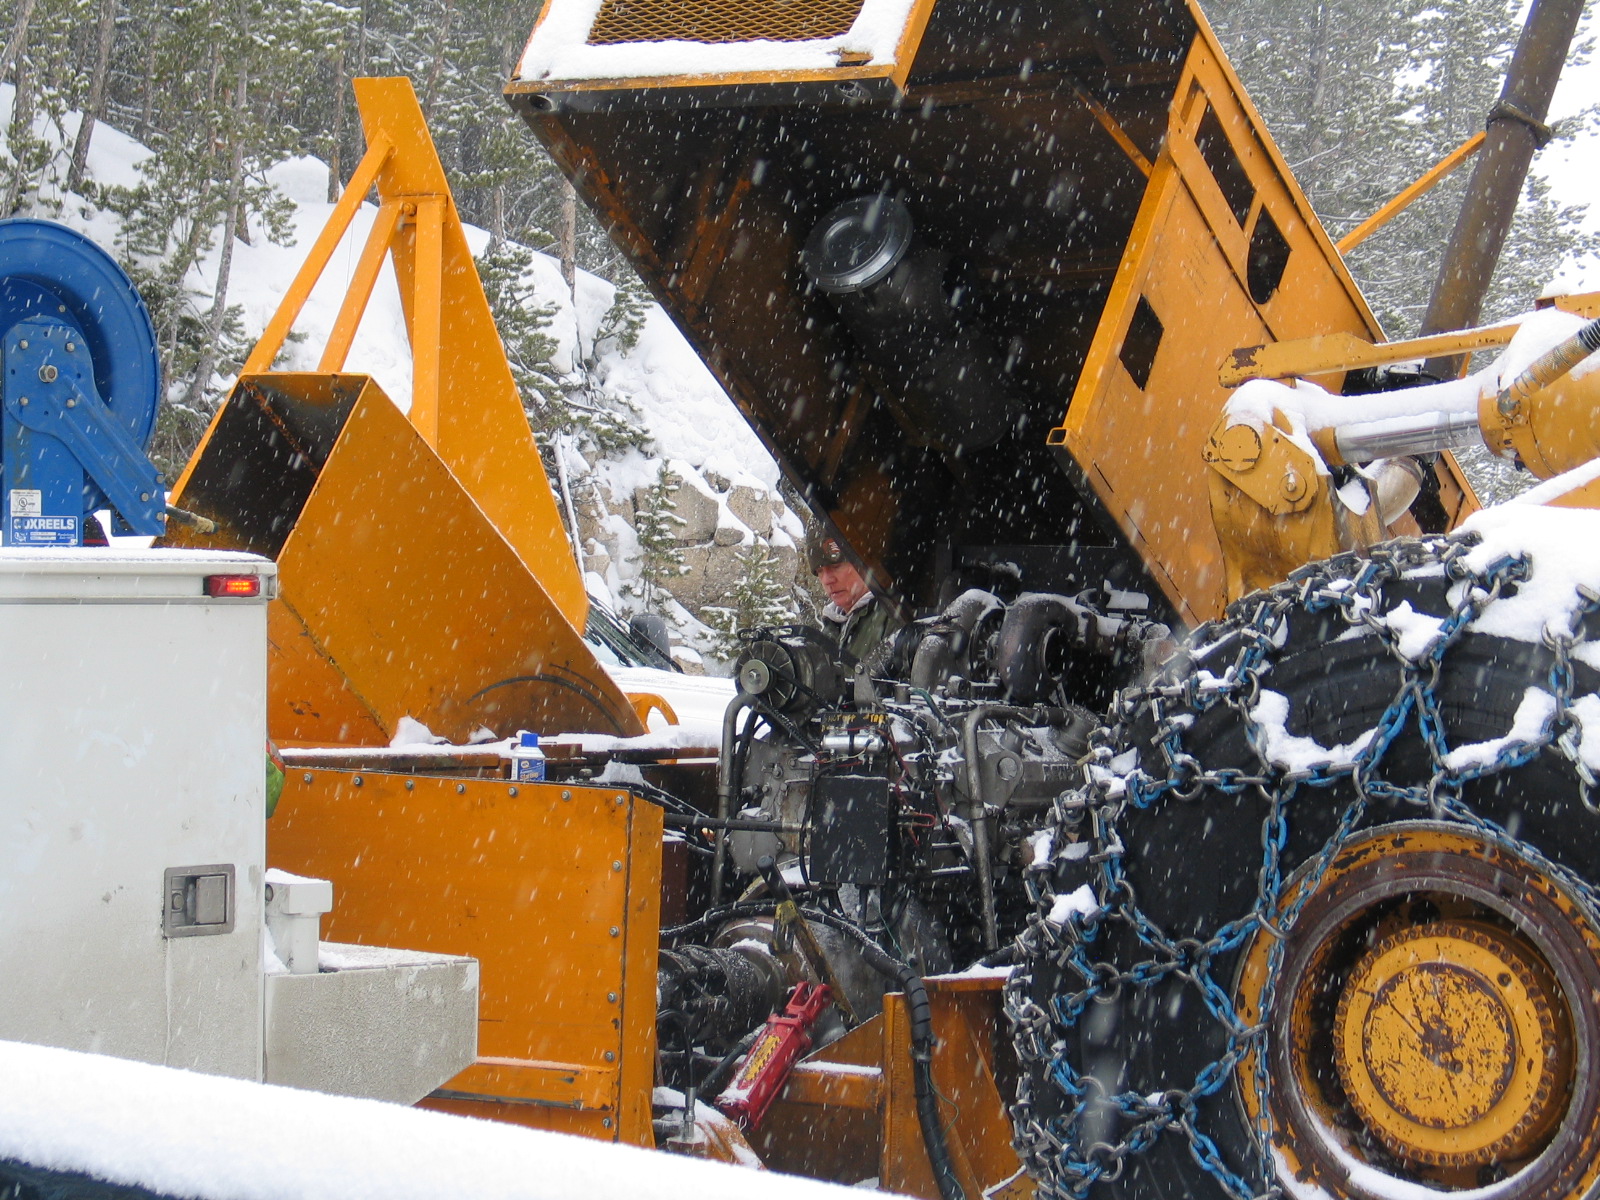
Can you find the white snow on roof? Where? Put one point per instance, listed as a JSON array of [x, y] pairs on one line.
[[559, 48], [186, 1134]]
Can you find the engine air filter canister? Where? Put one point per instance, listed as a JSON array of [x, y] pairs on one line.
[[858, 243], [942, 375]]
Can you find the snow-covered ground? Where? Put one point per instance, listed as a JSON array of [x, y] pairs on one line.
[[179, 1133]]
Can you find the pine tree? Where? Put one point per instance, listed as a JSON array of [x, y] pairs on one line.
[[759, 598], [523, 322], [609, 420], [623, 322], [41, 49], [660, 558]]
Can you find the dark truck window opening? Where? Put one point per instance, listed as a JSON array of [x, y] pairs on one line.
[[1223, 162], [1140, 344]]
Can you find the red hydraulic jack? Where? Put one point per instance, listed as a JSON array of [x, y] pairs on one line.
[[766, 1068]]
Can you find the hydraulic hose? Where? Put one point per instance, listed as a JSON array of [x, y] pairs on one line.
[[1549, 367], [980, 824], [917, 1006], [728, 790]]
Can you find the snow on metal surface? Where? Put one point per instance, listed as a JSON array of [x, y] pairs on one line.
[[559, 49], [1563, 547], [221, 1139]]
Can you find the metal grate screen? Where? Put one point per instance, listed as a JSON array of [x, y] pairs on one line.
[[721, 20]]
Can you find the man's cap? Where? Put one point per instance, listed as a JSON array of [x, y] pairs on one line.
[[822, 551]]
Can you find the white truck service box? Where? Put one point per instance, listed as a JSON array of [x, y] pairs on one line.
[[132, 794]]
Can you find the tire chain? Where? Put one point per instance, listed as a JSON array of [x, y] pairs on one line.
[[1348, 585]]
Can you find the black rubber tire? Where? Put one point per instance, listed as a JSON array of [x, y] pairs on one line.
[[1194, 863]]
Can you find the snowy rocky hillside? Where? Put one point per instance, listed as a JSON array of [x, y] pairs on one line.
[[720, 521]]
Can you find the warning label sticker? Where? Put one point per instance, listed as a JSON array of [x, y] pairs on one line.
[[26, 502], [43, 531]]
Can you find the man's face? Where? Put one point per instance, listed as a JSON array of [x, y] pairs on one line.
[[843, 584]]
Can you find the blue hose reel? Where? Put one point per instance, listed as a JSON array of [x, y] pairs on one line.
[[80, 382]]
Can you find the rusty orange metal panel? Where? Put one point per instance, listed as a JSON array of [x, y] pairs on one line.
[[1186, 293], [530, 1081], [392, 574], [837, 1085], [555, 890], [849, 1110], [809, 1132]]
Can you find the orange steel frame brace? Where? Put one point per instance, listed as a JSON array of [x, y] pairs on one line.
[[1414, 191], [424, 215]]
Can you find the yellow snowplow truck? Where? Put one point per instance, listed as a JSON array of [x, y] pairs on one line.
[[1224, 729]]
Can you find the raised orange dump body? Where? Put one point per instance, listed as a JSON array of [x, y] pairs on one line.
[[1097, 217]]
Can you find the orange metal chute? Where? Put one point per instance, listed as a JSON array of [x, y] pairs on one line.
[[425, 570]]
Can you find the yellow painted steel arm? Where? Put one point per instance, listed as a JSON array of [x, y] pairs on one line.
[[360, 289], [272, 338], [1303, 358], [1428, 180], [1334, 352], [1112, 126], [426, 352]]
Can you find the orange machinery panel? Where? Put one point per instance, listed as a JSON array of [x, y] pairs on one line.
[[399, 597], [1222, 255], [554, 889]]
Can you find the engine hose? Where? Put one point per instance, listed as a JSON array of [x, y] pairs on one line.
[[728, 792], [713, 1083], [917, 1007], [981, 863]]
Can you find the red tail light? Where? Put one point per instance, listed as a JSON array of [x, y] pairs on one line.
[[233, 585]]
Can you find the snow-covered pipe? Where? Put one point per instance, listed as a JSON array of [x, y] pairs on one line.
[[1397, 437], [1524, 386]]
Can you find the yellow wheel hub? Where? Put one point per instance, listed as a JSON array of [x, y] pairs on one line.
[[1448, 1045]]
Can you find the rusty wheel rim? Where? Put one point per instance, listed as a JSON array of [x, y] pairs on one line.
[[1492, 970]]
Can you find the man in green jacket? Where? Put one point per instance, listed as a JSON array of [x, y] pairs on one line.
[[855, 617]]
